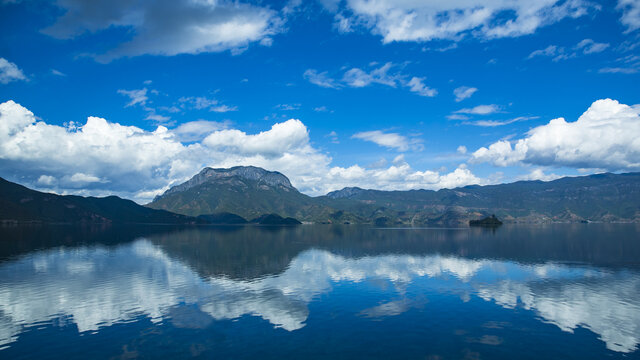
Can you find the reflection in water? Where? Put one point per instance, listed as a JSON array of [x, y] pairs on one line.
[[97, 286]]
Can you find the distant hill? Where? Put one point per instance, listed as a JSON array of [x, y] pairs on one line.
[[20, 204], [247, 191], [602, 197]]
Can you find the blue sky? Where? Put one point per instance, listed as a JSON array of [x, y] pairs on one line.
[[385, 94]]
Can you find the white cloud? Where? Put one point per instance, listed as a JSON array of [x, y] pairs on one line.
[[198, 130], [416, 20], [462, 149], [494, 123], [223, 108], [464, 92], [138, 164], [46, 180], [629, 64], [618, 70], [538, 174], [457, 117], [589, 46], [198, 102], [606, 136], [158, 118], [282, 137], [168, 27], [288, 107], [389, 140], [556, 52], [10, 72], [584, 47], [205, 103], [135, 96], [417, 86], [83, 178], [320, 79], [630, 14], [358, 78], [399, 177], [58, 73], [480, 110]]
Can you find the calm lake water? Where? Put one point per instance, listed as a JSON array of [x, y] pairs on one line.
[[526, 292]]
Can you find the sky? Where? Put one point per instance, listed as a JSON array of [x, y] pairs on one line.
[[131, 97]]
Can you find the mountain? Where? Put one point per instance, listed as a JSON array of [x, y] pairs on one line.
[[20, 204], [247, 191], [602, 197]]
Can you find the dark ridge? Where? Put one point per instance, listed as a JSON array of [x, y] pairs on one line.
[[223, 218], [275, 219]]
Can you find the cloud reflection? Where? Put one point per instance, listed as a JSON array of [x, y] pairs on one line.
[[97, 287]]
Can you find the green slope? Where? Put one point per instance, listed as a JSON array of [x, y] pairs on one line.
[[18, 203], [602, 197]]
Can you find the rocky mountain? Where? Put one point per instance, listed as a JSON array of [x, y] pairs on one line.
[[247, 191], [20, 204]]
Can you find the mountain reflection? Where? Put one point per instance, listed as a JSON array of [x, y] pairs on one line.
[[160, 278]]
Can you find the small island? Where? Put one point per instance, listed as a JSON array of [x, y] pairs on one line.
[[490, 221]]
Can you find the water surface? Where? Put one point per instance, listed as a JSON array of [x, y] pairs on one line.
[[548, 291]]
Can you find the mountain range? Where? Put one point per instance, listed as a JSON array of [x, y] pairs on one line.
[[237, 194], [251, 191]]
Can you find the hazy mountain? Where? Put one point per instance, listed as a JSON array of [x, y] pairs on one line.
[[247, 191], [18, 203]]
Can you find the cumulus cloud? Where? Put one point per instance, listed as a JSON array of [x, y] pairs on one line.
[[168, 27], [400, 176], [138, 164], [606, 136], [383, 75], [416, 20], [464, 92], [10, 72], [538, 174]]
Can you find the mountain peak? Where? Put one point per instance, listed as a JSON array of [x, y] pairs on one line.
[[345, 193], [253, 173]]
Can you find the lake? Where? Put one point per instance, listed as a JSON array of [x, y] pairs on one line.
[[319, 291]]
